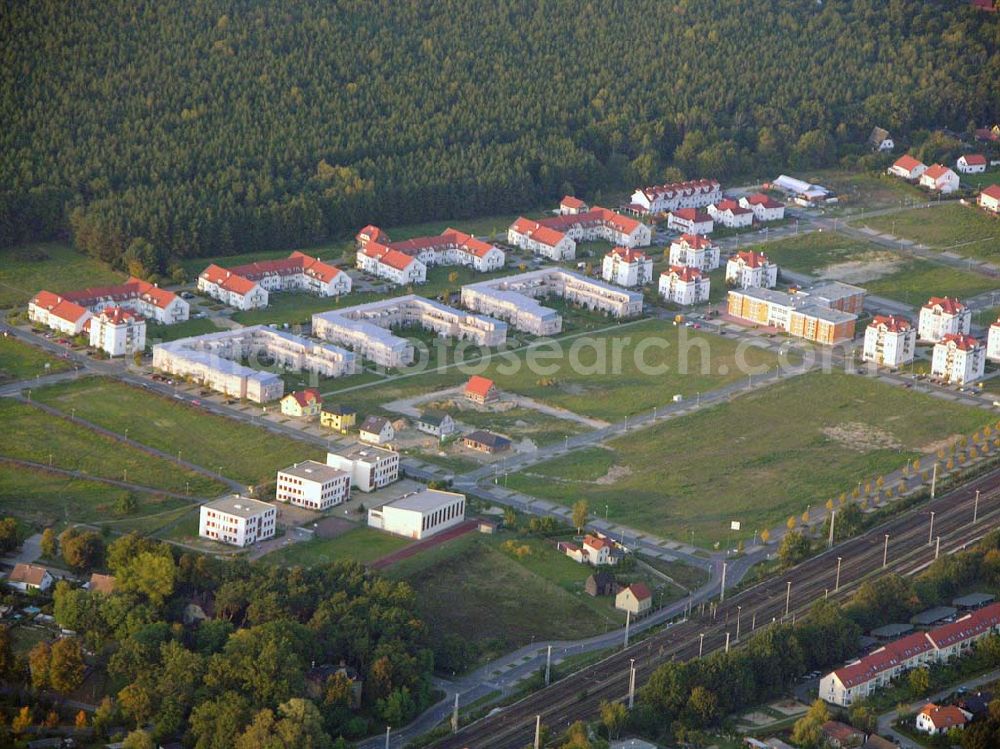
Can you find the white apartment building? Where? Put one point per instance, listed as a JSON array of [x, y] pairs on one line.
[[939, 178], [749, 269], [58, 313], [690, 221], [513, 298], [214, 360], [249, 286], [365, 328], [238, 521], [684, 285], [547, 236], [889, 341], [118, 332], [535, 237], [731, 214], [231, 289], [764, 207], [370, 467], [626, 267], [943, 316], [670, 197], [392, 265], [419, 515], [694, 251], [993, 342], [61, 311], [451, 247], [958, 359], [313, 485]]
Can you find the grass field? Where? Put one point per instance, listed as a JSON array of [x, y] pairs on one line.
[[160, 333], [813, 251], [19, 361], [521, 423], [918, 280], [965, 230], [31, 434], [361, 544], [990, 177], [865, 190], [43, 499], [571, 374], [245, 452], [757, 459], [63, 269]]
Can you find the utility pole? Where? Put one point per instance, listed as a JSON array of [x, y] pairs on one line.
[[836, 585], [548, 667], [538, 732], [885, 552], [937, 547], [788, 597], [930, 534], [722, 592], [934, 481], [753, 622], [628, 622], [833, 520], [975, 509], [387, 730], [727, 642], [631, 684], [701, 644], [454, 716], [739, 610]]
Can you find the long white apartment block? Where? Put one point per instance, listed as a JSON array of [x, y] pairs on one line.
[[236, 520], [515, 298], [315, 486], [214, 360], [366, 328], [370, 467]]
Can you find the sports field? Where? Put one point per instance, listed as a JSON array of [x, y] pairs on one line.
[[757, 459]]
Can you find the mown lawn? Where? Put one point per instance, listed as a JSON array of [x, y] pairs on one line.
[[990, 177], [625, 370], [20, 361], [58, 268], [962, 229], [757, 459], [161, 333], [45, 498], [361, 544], [244, 452], [31, 434]]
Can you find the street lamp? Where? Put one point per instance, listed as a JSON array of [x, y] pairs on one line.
[[739, 610], [885, 552], [788, 597], [836, 586]]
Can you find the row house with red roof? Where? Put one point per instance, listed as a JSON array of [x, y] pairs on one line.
[[939, 178], [890, 341], [749, 269], [690, 221], [669, 197], [958, 359], [971, 163], [730, 214], [943, 316], [627, 267], [548, 236], [118, 332], [907, 167], [764, 207], [694, 251], [58, 313], [855, 681], [989, 199], [68, 312], [993, 342], [450, 247], [684, 285], [249, 286], [541, 240]]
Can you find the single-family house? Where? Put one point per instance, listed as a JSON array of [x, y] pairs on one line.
[[600, 584], [989, 199], [302, 403], [841, 736], [337, 416], [879, 140], [937, 719], [376, 430], [598, 550], [25, 577], [571, 206], [636, 599], [481, 390], [435, 423], [907, 167], [101, 583], [939, 178], [971, 163], [485, 442]]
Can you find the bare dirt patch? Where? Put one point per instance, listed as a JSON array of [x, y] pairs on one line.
[[862, 268], [788, 707], [861, 437], [333, 526], [945, 444], [615, 474]]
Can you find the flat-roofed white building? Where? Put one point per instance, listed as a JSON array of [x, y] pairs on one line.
[[313, 485], [370, 467], [993, 342], [889, 341], [213, 360], [365, 328], [118, 332], [514, 298], [627, 267], [749, 269], [684, 285], [823, 314], [419, 515], [694, 251], [958, 359], [238, 521], [943, 316]]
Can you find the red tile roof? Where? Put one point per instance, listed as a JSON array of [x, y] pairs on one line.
[[574, 203], [478, 385], [59, 306], [733, 206], [29, 574], [119, 315], [640, 591], [883, 659], [993, 191], [538, 232], [594, 542], [759, 198], [102, 583], [684, 273], [295, 264], [948, 305], [305, 397], [227, 280], [751, 259], [559, 225], [962, 342], [891, 323], [907, 162], [683, 188], [968, 626], [936, 171], [628, 255], [695, 241], [945, 716], [974, 159], [691, 214], [840, 732]]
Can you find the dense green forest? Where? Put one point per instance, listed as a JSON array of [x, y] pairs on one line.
[[224, 126]]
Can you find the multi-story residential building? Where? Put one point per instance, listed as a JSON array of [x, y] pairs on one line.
[[823, 314], [993, 342], [764, 207], [730, 214], [370, 467], [419, 515], [907, 167], [670, 197], [238, 521], [313, 485], [214, 360], [62, 311], [690, 221], [861, 678], [118, 332], [513, 298], [989, 199], [627, 267], [694, 251], [249, 286], [547, 236], [749, 269], [684, 285], [958, 359], [972, 163], [451, 247], [366, 327], [943, 316], [939, 178], [889, 341], [302, 403]]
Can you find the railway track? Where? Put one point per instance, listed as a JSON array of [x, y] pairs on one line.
[[911, 547]]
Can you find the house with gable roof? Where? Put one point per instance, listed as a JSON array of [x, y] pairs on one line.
[[907, 167], [942, 316], [730, 214], [627, 267], [694, 251], [302, 403], [748, 269], [939, 178], [971, 163], [989, 199], [958, 359]]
